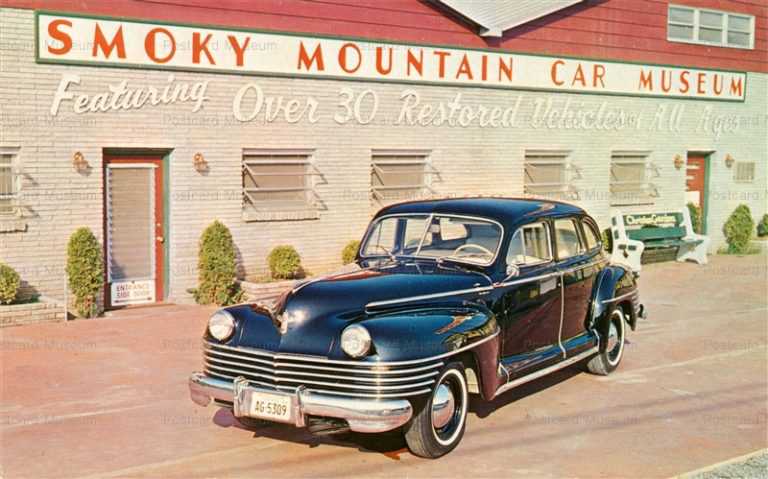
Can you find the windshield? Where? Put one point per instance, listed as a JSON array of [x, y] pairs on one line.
[[469, 240]]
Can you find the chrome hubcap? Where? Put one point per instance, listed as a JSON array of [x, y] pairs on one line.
[[443, 405], [615, 344]]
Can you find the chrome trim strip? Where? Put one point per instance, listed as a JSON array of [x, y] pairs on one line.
[[562, 315], [619, 298], [278, 372], [373, 365], [208, 365], [526, 280], [543, 372], [423, 297]]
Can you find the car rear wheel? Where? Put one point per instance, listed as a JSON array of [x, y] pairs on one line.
[[609, 359], [438, 426]]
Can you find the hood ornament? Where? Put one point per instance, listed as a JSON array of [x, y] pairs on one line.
[[282, 321]]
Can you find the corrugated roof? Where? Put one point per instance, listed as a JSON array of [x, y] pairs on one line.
[[496, 16]]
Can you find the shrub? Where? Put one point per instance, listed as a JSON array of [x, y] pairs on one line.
[[284, 262], [9, 284], [607, 240], [85, 271], [762, 227], [349, 252], [695, 213], [217, 268], [738, 230]]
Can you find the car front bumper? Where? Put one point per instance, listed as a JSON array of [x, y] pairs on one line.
[[362, 415]]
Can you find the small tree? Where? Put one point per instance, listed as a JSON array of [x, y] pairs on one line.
[[607, 240], [695, 213], [9, 284], [762, 227], [217, 268], [284, 262], [85, 271], [350, 251], [738, 230]]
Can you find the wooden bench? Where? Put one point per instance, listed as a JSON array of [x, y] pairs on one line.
[[637, 233]]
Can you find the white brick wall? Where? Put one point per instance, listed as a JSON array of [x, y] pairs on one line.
[[470, 160]]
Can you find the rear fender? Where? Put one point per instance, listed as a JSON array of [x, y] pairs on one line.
[[614, 286]]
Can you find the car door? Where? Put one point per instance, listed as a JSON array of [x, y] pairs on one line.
[[576, 260], [531, 303]]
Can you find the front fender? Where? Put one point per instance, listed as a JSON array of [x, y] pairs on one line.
[[615, 285]]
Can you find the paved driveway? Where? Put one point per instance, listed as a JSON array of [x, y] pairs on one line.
[[108, 398]]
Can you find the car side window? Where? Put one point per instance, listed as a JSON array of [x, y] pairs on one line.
[[567, 239], [590, 235], [530, 245]]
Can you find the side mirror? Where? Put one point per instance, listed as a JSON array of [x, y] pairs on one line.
[[512, 271]]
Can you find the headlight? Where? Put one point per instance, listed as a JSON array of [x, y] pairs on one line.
[[221, 325], [355, 341]]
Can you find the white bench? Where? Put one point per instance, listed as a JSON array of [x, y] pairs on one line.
[[635, 233]]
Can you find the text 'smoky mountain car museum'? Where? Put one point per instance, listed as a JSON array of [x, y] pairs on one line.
[[293, 122]]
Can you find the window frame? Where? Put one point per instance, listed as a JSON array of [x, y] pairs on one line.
[[577, 227], [541, 223], [646, 186], [739, 178], [588, 223], [410, 157], [14, 167], [724, 27], [272, 157], [538, 156]]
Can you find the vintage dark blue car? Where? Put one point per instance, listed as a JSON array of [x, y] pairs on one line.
[[448, 298]]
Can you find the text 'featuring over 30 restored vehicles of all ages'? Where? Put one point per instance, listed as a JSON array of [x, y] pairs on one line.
[[447, 298]]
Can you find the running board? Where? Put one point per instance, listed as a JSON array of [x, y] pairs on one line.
[[543, 372]]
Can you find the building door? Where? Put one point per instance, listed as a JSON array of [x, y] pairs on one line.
[[134, 230], [696, 184]]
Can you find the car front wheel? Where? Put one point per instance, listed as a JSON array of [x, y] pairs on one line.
[[609, 359], [438, 426]]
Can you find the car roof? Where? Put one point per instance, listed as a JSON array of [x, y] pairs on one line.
[[507, 211]]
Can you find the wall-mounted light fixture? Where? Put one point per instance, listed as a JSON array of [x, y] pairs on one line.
[[201, 165], [729, 160], [678, 162], [79, 163]]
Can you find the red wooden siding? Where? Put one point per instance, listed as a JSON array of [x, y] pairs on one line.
[[629, 30]]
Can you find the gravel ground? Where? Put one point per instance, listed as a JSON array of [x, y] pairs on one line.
[[753, 467]]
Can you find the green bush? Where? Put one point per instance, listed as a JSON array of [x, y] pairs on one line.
[[695, 213], [284, 262], [217, 268], [9, 284], [349, 252], [607, 240], [85, 271], [762, 227], [738, 230]]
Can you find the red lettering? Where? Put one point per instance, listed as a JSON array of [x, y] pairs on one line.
[[666, 80], [701, 80], [579, 77], [553, 72], [307, 61], [598, 73], [718, 88], [100, 42], [646, 80], [149, 45], [199, 47], [416, 64], [63, 37], [484, 67], [684, 80], [380, 61], [343, 57], [736, 87], [441, 63], [505, 69], [464, 68], [239, 49]]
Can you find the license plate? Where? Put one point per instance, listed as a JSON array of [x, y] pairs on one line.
[[274, 407]]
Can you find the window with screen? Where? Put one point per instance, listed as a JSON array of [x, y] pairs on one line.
[[744, 172], [399, 176], [710, 27], [10, 181], [548, 174], [277, 180], [631, 175]]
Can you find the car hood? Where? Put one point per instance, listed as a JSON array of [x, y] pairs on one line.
[[317, 311]]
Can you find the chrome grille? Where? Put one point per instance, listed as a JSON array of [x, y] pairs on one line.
[[286, 372]]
